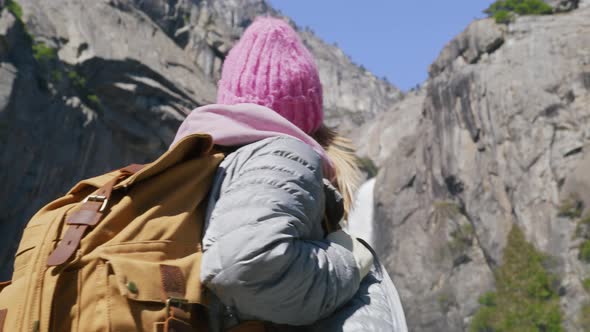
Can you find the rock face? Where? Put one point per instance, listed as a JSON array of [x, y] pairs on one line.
[[392, 132], [89, 86], [352, 95], [563, 5], [501, 138]]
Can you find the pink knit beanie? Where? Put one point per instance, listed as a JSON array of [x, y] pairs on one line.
[[270, 66]]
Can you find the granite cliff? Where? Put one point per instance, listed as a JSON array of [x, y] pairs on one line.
[[497, 136]]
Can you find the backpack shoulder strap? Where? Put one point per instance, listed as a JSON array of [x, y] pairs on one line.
[[88, 214]]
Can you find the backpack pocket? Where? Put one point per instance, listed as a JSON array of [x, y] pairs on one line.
[[137, 298]]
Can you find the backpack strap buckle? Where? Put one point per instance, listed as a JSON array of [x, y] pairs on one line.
[[173, 302], [178, 309], [178, 312], [88, 214], [97, 198]]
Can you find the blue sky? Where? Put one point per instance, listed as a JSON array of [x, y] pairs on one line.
[[391, 38]]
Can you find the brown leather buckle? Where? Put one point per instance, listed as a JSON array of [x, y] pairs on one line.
[[178, 310], [181, 304], [97, 198], [88, 214]]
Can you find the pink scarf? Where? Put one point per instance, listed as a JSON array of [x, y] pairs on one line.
[[240, 124]]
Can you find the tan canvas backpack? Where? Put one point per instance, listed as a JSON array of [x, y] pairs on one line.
[[119, 252]]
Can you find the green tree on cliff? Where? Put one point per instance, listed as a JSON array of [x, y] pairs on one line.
[[503, 10], [524, 299]]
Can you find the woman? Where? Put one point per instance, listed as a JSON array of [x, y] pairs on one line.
[[266, 253]]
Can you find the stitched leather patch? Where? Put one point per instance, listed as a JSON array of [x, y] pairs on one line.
[[173, 283], [3, 314]]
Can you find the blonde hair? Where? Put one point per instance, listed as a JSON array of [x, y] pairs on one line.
[[342, 153]]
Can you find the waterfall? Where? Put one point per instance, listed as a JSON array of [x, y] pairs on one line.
[[360, 224], [360, 221]]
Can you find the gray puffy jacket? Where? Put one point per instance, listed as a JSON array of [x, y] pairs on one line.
[[265, 256]]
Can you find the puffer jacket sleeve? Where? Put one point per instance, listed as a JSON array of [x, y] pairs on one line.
[[376, 307], [264, 252]]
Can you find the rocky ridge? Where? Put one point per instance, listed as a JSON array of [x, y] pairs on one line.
[[499, 137]]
